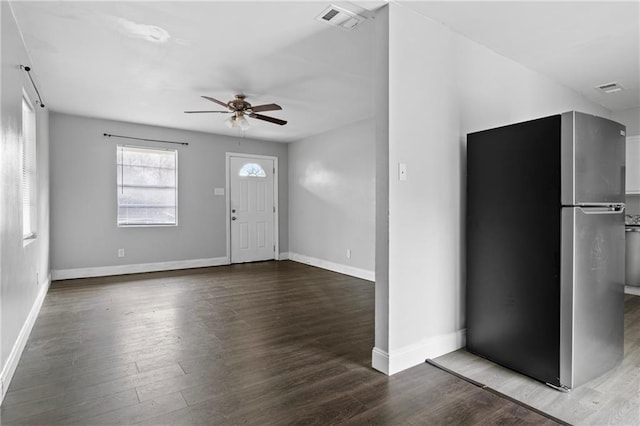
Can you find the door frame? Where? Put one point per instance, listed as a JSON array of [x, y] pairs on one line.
[[276, 200]]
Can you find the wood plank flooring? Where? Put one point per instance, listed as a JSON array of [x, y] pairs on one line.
[[611, 399], [262, 343]]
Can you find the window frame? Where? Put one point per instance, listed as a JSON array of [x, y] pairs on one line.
[[28, 169], [118, 188]]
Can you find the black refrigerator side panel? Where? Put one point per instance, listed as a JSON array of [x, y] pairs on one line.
[[513, 246]]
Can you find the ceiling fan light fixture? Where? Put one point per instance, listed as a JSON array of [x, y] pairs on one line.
[[235, 122], [242, 109], [242, 122]]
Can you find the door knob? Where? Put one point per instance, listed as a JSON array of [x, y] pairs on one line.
[[233, 218]]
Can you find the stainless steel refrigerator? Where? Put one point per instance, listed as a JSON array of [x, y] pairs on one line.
[[545, 246]]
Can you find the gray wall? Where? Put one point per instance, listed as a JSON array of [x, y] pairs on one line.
[[331, 196], [24, 269], [83, 201]]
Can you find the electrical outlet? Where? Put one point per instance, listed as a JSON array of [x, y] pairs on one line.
[[121, 252], [348, 253]]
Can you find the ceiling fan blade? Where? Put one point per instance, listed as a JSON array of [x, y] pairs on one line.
[[265, 107], [269, 119], [209, 98], [196, 112]]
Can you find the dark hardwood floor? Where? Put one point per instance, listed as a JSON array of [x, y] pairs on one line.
[[262, 343]]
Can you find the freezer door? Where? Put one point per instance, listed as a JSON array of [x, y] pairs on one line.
[[592, 293], [513, 247], [593, 160]]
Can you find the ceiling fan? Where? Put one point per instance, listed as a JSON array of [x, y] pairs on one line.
[[241, 109]]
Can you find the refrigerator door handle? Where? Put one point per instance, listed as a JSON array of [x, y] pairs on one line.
[[614, 209]]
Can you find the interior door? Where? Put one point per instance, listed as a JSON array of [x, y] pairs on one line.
[[252, 215]]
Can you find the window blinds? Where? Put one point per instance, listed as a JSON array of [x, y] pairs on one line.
[[28, 169], [147, 186]]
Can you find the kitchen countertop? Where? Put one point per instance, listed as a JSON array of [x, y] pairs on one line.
[[632, 219]]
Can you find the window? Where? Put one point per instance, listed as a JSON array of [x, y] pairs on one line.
[[147, 186], [252, 170], [28, 146]]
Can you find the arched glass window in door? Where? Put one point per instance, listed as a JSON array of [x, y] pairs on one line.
[[252, 170]]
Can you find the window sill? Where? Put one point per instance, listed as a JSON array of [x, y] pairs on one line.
[[150, 225]]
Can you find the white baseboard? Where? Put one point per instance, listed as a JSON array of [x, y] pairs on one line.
[[16, 352], [631, 289], [380, 360], [412, 355], [284, 256], [103, 271], [335, 267]]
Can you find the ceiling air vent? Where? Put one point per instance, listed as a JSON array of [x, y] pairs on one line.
[[339, 17], [609, 88]]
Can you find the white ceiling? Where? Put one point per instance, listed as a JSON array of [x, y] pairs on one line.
[[90, 58], [580, 44]]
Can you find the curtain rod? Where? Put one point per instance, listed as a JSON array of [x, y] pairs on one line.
[[28, 69], [143, 139]]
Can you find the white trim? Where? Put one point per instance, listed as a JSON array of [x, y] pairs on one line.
[[276, 200], [335, 267], [284, 256], [103, 271], [416, 354], [631, 289], [380, 360], [16, 352]]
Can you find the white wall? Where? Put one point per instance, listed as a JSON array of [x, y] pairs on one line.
[[85, 238], [451, 86], [24, 269], [381, 111], [331, 200], [630, 118]]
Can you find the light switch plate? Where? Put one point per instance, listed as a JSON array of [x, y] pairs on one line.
[[218, 191]]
